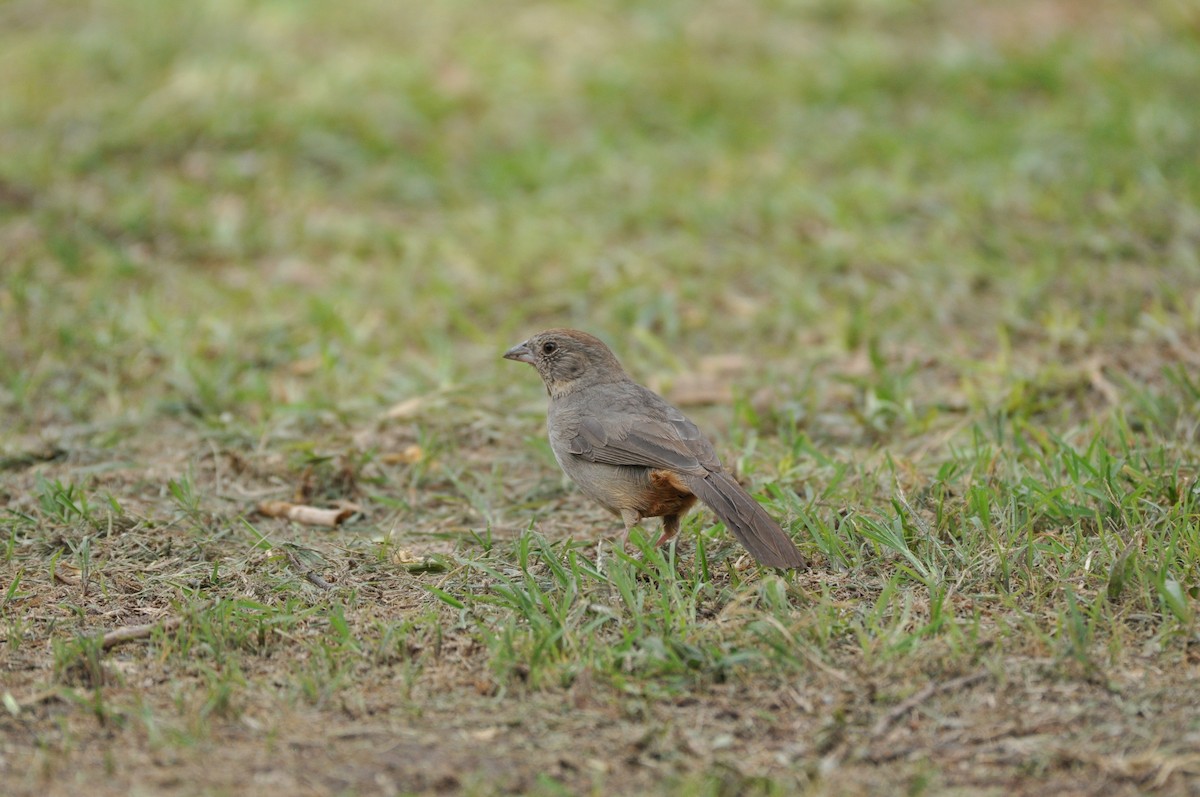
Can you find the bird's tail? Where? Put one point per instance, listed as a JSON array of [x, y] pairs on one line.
[[748, 521]]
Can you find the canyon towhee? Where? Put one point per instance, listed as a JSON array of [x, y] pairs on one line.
[[633, 452]]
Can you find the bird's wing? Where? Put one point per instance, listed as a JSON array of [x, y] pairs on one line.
[[659, 438]]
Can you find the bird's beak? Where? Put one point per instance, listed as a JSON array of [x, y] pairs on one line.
[[520, 353]]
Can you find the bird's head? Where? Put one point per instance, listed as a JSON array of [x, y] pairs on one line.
[[568, 360]]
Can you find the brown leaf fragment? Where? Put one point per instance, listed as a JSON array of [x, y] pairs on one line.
[[417, 564], [691, 390], [408, 456], [404, 410]]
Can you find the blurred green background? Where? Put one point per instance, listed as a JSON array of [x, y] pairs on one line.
[[264, 207]]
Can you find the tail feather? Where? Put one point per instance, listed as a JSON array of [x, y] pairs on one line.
[[748, 521]]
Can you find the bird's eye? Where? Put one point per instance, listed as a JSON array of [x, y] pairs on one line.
[[548, 347]]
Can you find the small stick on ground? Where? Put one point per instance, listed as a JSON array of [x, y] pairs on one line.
[[308, 515], [843, 749], [62, 579], [129, 633], [309, 575], [885, 723]]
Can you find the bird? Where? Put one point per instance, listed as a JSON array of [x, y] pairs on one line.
[[635, 454]]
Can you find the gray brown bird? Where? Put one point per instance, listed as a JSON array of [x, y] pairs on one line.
[[634, 453]]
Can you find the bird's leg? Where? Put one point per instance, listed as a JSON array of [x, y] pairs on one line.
[[631, 517], [670, 527]]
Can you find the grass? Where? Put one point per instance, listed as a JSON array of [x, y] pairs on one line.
[[927, 272]]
